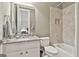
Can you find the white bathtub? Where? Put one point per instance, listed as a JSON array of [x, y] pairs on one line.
[[64, 50]]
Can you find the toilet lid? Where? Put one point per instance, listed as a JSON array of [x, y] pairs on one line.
[[51, 49]]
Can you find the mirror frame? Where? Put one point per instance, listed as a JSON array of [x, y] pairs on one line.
[[18, 18]]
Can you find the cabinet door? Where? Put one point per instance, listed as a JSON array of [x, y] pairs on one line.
[[21, 45], [16, 54], [34, 52]]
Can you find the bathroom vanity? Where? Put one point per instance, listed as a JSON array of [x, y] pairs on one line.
[[21, 22], [25, 47]]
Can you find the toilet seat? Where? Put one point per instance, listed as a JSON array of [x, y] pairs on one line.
[[51, 50]]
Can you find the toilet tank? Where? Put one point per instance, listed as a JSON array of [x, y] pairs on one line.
[[44, 41]]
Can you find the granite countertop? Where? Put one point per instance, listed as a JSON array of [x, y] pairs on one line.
[[14, 40]]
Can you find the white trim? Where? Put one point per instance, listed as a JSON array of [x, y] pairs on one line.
[[50, 27], [25, 5], [75, 29], [29, 21], [17, 18]]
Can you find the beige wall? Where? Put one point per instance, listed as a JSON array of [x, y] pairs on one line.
[[0, 21], [77, 36], [55, 29], [4, 10], [69, 24], [42, 19]]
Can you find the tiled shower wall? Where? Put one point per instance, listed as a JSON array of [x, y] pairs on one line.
[[69, 24], [65, 31], [55, 29]]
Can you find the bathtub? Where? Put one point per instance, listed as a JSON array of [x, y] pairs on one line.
[[64, 50]]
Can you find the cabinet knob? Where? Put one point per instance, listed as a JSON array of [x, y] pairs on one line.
[[21, 53]]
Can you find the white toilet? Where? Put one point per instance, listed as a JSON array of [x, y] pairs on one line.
[[49, 50]]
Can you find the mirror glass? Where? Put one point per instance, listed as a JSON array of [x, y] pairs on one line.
[[23, 19]]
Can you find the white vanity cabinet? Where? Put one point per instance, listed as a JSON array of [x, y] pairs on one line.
[[23, 49], [25, 53]]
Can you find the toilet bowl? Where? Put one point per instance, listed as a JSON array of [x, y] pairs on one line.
[[49, 50]]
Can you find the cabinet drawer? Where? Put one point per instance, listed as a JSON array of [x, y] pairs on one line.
[[15, 54], [35, 52], [21, 45]]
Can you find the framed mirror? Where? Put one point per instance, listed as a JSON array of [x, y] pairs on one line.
[[23, 19]]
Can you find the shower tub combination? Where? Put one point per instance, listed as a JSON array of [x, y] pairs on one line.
[[64, 50]]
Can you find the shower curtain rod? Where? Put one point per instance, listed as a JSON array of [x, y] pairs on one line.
[[59, 4]]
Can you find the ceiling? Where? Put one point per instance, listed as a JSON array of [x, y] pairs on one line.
[[53, 4]]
